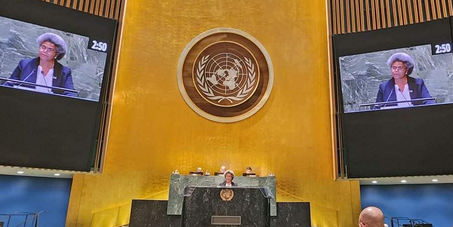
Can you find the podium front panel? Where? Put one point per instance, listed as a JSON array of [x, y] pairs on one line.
[[247, 203]]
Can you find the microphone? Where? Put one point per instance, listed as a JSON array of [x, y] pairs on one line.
[[391, 92], [410, 103], [27, 77]]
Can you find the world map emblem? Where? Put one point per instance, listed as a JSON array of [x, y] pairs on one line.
[[226, 78], [225, 75]]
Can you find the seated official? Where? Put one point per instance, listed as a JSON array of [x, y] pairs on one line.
[[45, 69], [249, 173], [402, 87], [229, 176], [198, 172], [221, 171]]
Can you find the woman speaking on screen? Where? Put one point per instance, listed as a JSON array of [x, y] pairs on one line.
[[402, 87], [45, 69]]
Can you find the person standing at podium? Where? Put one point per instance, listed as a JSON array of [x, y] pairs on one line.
[[229, 176], [402, 87], [45, 69]]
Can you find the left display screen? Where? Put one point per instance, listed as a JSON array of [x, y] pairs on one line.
[[55, 68], [41, 59]]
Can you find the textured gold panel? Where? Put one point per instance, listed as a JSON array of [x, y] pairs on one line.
[[353, 17], [409, 9], [348, 17], [378, 15], [362, 17], [334, 16], [153, 131], [395, 13], [368, 17], [388, 13], [404, 9], [444, 8], [383, 13], [373, 14], [342, 15], [450, 7], [427, 11]]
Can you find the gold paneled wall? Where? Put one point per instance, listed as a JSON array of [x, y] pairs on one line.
[[153, 131]]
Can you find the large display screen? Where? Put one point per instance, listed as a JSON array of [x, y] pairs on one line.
[[394, 94], [369, 81], [25, 46], [55, 68]]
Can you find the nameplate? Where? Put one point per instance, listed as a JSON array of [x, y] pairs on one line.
[[225, 220]]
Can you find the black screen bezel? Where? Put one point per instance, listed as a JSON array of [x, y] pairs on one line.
[[396, 142], [86, 115]]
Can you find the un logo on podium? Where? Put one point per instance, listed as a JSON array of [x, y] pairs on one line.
[[225, 75], [226, 194]]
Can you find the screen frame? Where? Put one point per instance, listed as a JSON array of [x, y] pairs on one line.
[[80, 23], [355, 129]]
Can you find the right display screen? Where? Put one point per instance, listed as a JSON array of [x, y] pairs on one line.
[[394, 96], [397, 78]]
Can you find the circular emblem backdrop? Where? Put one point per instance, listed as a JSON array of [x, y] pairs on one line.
[[225, 75]]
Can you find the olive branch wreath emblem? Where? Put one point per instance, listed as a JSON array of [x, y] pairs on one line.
[[207, 91]]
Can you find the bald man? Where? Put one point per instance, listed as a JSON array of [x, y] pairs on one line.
[[371, 217]]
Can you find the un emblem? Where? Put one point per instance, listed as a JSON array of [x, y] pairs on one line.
[[225, 75], [227, 194]]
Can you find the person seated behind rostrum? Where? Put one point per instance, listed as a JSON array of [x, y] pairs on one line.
[[248, 172], [229, 176], [198, 172], [402, 87], [221, 171]]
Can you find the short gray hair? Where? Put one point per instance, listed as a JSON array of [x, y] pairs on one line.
[[228, 172], [404, 58], [59, 43]]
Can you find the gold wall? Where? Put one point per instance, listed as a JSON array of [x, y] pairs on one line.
[[153, 131]]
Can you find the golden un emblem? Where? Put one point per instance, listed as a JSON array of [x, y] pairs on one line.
[[226, 194], [225, 75]]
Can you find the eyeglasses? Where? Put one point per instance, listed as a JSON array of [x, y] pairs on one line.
[[398, 68], [46, 49]]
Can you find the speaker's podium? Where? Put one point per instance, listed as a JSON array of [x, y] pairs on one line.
[[199, 201], [226, 206]]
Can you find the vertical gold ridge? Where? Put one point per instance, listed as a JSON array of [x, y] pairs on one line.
[[439, 14], [348, 17], [409, 10], [362, 16], [353, 17], [395, 13], [416, 11], [357, 15], [404, 8], [342, 16], [383, 14], [378, 14], [373, 15], [444, 8], [433, 10], [427, 13]]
